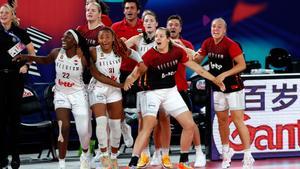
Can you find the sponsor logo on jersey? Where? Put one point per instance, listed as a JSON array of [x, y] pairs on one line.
[[65, 83]]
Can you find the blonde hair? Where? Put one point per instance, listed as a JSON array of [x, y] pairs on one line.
[[96, 4], [149, 12], [15, 19], [220, 19]]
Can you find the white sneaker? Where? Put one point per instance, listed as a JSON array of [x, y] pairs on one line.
[[248, 162], [200, 160], [126, 132], [95, 161], [61, 163], [227, 158], [156, 159], [85, 161]]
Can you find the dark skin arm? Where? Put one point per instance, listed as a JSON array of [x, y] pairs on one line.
[[98, 75], [50, 58]]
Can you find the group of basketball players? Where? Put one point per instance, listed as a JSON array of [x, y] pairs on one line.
[[153, 72]]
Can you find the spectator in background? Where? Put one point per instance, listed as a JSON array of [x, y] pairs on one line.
[[105, 19], [226, 61], [131, 25], [13, 40]]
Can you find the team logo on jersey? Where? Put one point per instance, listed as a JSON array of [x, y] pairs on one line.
[[61, 56], [101, 56], [139, 30], [76, 62]]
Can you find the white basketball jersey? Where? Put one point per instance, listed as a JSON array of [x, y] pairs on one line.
[[143, 47], [68, 73], [108, 64]]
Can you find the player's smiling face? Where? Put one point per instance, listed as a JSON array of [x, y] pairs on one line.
[[218, 29], [105, 39], [6, 16], [68, 41]]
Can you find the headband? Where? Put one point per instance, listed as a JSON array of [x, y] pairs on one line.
[[74, 35]]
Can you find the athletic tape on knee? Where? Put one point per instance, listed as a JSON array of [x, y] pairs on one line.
[[60, 136], [101, 131], [115, 132]]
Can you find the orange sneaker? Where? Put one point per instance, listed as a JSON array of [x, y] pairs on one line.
[[166, 162], [143, 161], [184, 166]]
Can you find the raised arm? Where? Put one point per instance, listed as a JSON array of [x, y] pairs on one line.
[[190, 52], [198, 58], [50, 58], [133, 41], [134, 55], [98, 75]]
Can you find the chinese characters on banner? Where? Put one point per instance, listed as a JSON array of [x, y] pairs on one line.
[[272, 116]]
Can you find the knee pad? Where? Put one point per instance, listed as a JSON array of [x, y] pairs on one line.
[[115, 132], [101, 131], [82, 126]]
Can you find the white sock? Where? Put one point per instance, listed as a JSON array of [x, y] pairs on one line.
[[158, 151], [247, 153], [113, 155], [165, 151], [147, 151], [85, 154], [104, 153], [225, 147], [198, 150], [134, 155]]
